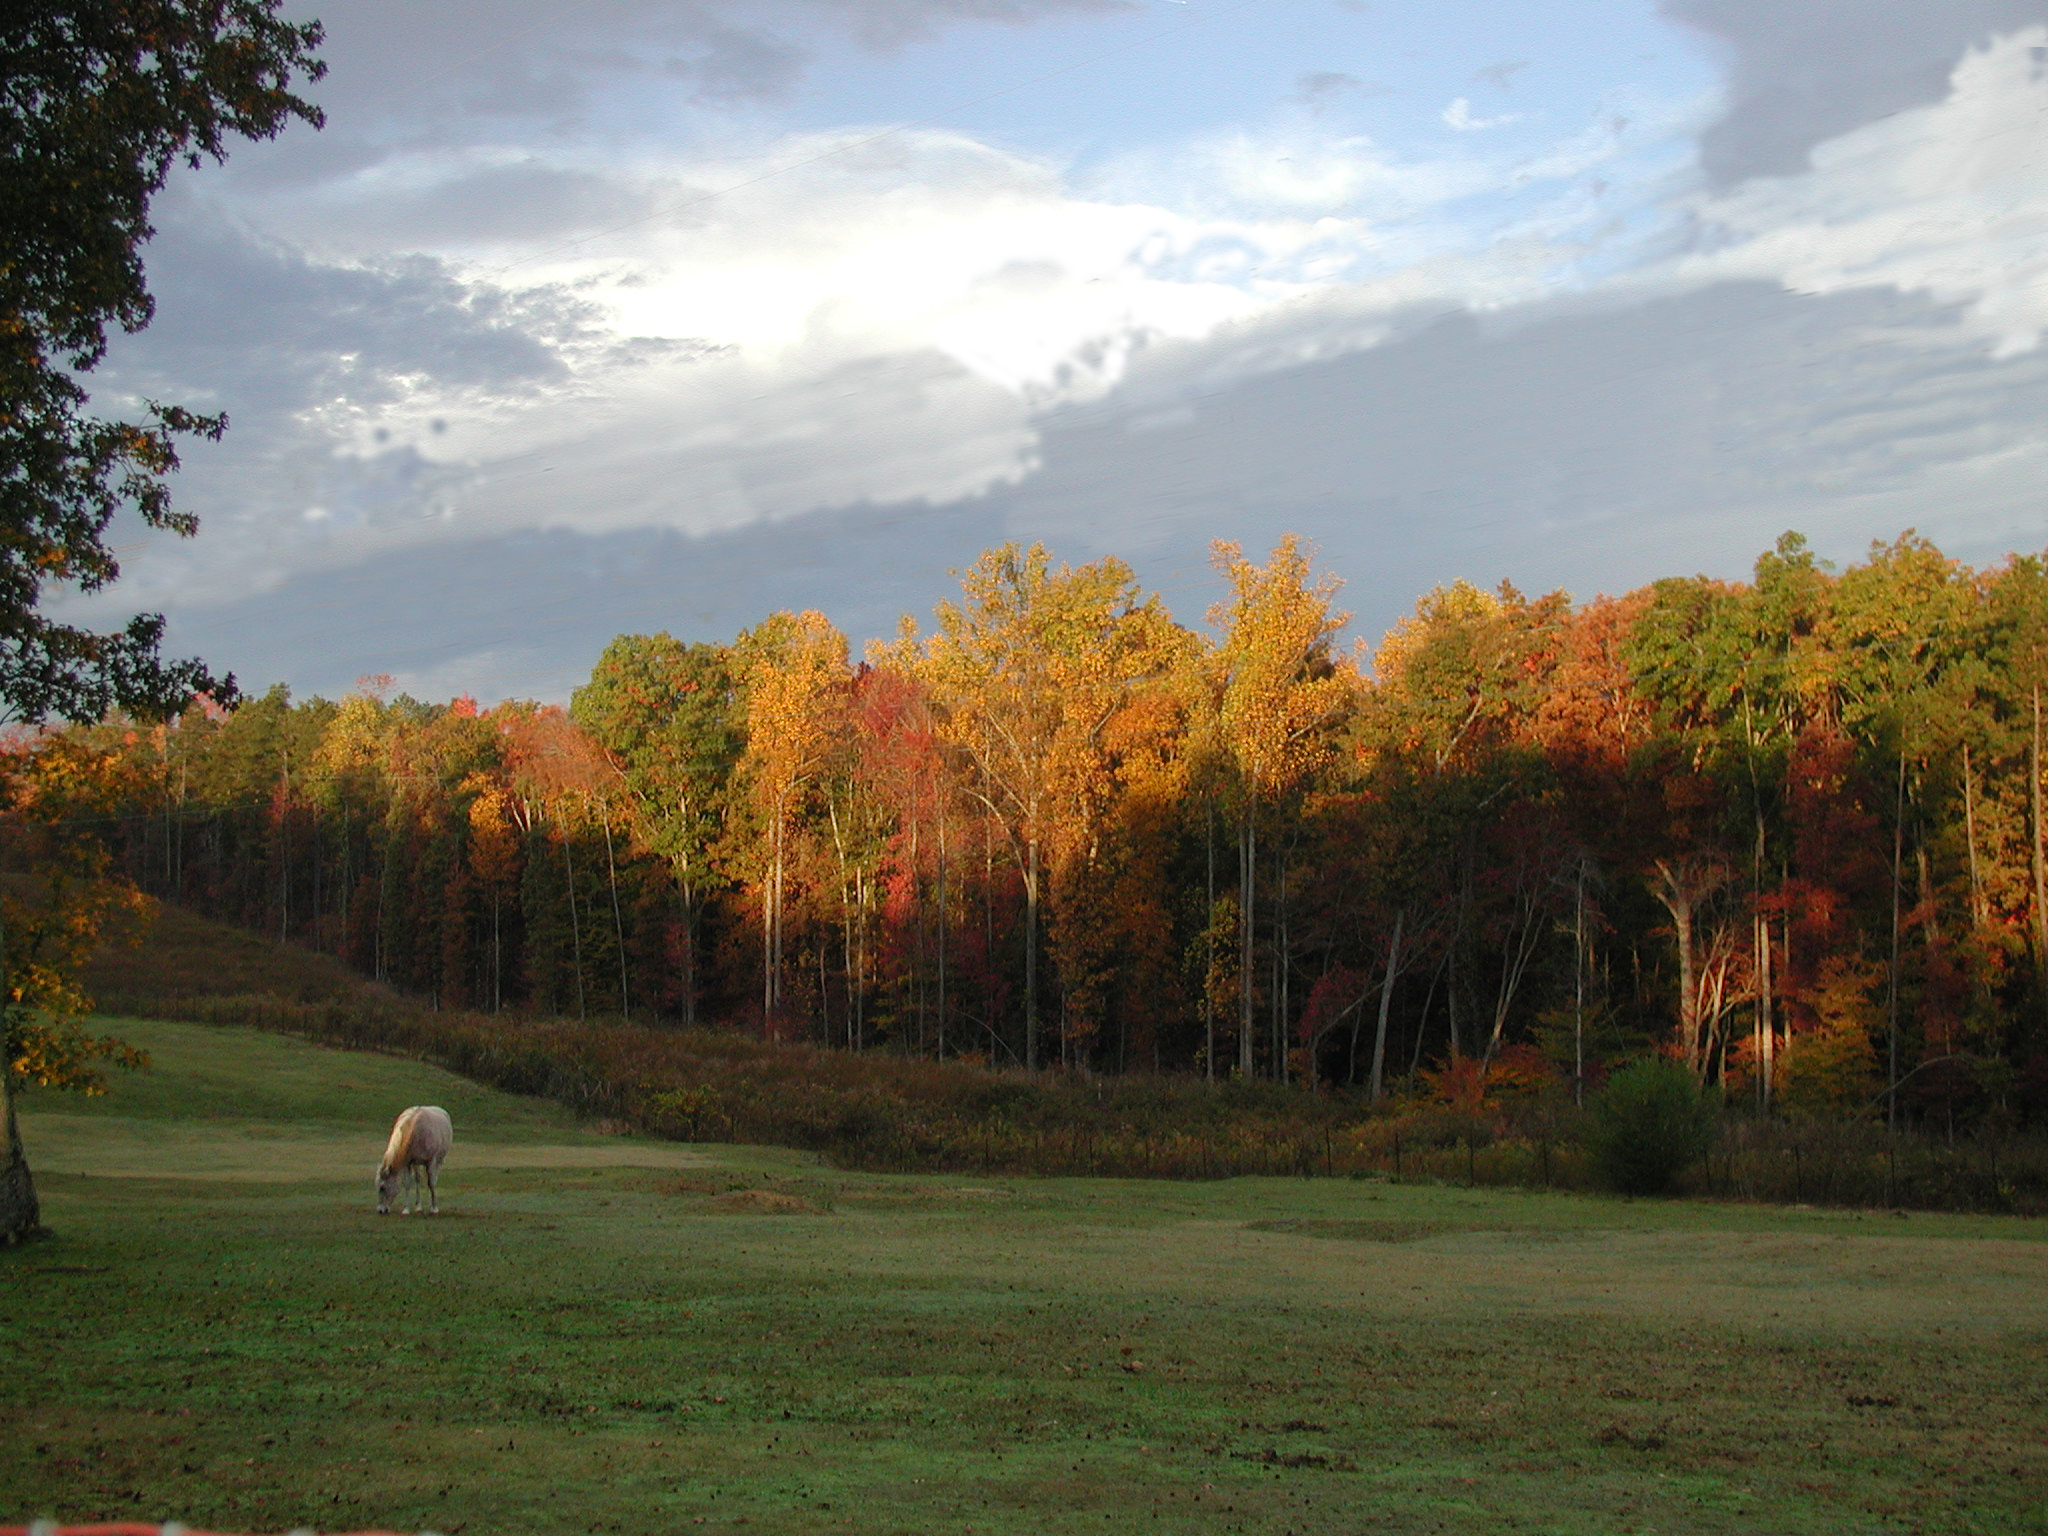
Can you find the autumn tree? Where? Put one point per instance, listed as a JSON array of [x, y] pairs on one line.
[[793, 668], [53, 793], [1280, 692], [1025, 674]]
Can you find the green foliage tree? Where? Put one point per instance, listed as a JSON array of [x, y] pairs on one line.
[[1647, 1124], [669, 720], [99, 99]]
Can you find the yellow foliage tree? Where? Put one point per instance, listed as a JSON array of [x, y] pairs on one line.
[[1279, 692], [1025, 675], [51, 921], [794, 668]]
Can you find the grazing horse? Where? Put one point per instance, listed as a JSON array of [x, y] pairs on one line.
[[420, 1138]]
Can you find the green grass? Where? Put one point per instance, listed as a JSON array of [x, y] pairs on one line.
[[596, 1336]]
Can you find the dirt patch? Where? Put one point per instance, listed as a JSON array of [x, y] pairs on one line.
[[764, 1202], [1382, 1229]]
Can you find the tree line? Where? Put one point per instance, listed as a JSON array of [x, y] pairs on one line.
[[1788, 832]]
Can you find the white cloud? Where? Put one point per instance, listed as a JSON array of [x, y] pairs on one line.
[[1949, 200], [1458, 115], [593, 341]]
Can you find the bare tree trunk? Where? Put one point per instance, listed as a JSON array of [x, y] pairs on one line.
[[1673, 892], [1977, 911], [916, 935], [1031, 952], [1579, 984], [775, 972], [687, 881], [1277, 1002], [618, 923], [319, 931], [1209, 969], [1770, 1026], [1891, 1084], [1379, 1039], [575, 922], [284, 853], [1422, 1023], [939, 939], [1247, 886], [2040, 873], [845, 918]]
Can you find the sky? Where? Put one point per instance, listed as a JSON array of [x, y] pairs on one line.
[[580, 319]]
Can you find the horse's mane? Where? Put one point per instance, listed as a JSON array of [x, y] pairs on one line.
[[395, 1149]]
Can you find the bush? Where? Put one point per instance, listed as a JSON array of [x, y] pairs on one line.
[[1648, 1125]]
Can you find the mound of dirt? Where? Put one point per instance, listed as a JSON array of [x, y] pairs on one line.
[[764, 1202]]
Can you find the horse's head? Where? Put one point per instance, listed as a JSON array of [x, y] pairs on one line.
[[387, 1188]]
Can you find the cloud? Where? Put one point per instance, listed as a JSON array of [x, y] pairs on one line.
[[1802, 73], [539, 59], [1458, 115], [1322, 87], [1501, 76], [1590, 447], [704, 343], [1948, 199], [1569, 443], [526, 614], [688, 381]]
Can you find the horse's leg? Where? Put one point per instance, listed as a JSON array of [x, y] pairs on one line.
[[433, 1188]]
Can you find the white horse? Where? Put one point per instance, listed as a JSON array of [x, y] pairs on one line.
[[420, 1138]]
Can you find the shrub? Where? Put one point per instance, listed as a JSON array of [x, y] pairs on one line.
[[1648, 1124]]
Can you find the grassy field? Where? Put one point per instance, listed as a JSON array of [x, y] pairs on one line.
[[607, 1334]]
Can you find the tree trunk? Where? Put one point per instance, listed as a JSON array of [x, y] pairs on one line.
[[1891, 1082], [20, 1215], [611, 870], [939, 939], [775, 925], [1978, 914], [1031, 953], [575, 922], [1673, 894], [767, 952], [1247, 885], [1379, 1039], [1770, 1026], [2040, 873], [685, 879], [1209, 969], [1579, 984], [1277, 1006]]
